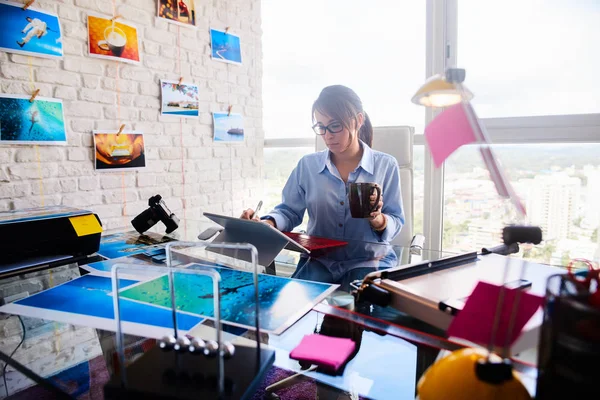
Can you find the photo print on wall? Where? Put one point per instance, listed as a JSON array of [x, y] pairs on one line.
[[119, 151], [181, 12], [228, 127], [112, 40], [179, 99], [225, 47], [29, 32], [39, 122]]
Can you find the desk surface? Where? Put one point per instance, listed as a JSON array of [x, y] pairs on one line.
[[391, 356]]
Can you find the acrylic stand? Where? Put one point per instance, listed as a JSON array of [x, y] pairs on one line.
[[183, 374]]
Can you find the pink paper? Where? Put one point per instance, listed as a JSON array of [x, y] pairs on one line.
[[475, 321], [447, 132], [324, 351]]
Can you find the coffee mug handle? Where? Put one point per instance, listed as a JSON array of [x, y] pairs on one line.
[[103, 44], [378, 189]]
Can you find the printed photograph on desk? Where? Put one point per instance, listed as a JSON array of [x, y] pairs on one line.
[[113, 40], [130, 243], [88, 301], [31, 32], [225, 47], [39, 122], [180, 100], [154, 256], [119, 151], [182, 12], [228, 127], [282, 300]]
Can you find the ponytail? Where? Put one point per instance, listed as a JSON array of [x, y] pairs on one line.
[[366, 131]]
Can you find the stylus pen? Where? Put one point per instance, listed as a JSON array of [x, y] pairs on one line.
[[257, 208]]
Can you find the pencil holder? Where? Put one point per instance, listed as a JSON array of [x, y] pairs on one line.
[[569, 352]]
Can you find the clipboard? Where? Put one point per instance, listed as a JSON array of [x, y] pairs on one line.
[[268, 240]]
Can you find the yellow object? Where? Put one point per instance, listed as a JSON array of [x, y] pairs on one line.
[[437, 92], [86, 225], [454, 377]]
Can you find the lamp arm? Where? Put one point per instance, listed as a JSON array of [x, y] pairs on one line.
[[503, 186]]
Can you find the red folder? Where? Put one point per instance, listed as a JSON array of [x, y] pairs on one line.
[[314, 243]]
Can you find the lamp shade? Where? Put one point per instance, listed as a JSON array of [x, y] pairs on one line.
[[438, 92]]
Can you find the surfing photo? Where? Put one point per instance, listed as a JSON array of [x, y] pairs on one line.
[[39, 122]]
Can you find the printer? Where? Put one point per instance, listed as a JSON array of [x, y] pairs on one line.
[[46, 232]]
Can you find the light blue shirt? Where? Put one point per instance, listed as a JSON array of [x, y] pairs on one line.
[[315, 185]]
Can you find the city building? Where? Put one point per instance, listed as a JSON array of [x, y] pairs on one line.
[[552, 204]]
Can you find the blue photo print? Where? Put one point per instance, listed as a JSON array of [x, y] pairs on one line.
[[228, 127], [30, 32], [225, 47], [129, 243], [39, 122], [88, 301], [282, 301]]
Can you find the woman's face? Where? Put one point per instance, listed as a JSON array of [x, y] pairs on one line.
[[336, 142]]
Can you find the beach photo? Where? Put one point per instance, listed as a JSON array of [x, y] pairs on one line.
[[228, 128], [23, 122], [181, 12], [179, 99], [119, 151], [29, 32], [225, 47], [112, 40]]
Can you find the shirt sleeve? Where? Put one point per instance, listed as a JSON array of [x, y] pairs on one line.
[[392, 202], [290, 212]]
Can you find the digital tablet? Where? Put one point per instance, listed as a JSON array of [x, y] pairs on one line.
[[268, 240]]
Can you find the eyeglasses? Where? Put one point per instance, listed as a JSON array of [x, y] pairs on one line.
[[334, 127]]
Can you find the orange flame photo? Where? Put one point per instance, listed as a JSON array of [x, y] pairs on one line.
[[119, 151]]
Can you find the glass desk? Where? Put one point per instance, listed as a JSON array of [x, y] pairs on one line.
[[393, 350]]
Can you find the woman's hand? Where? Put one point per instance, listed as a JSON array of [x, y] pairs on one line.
[[250, 214], [377, 219]]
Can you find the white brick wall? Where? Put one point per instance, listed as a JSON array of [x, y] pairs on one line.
[[88, 89]]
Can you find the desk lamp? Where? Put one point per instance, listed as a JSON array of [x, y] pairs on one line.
[[471, 371], [448, 90]]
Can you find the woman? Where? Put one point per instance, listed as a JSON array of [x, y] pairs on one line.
[[319, 181]]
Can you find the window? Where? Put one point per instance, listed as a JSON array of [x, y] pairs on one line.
[[279, 164], [530, 58], [377, 49], [558, 183], [530, 66]]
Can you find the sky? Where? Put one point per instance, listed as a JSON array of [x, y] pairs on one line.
[[534, 57]]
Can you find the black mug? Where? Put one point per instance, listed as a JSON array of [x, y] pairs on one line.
[[359, 196]]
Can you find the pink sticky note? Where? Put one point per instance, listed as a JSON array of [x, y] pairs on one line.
[[447, 132], [475, 321], [325, 351]]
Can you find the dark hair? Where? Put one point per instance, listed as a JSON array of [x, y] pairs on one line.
[[342, 103]]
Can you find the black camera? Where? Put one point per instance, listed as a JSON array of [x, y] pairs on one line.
[[158, 211]]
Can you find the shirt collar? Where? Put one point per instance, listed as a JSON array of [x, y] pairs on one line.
[[366, 162]]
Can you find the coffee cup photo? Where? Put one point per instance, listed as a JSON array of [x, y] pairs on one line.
[[109, 39], [359, 197], [114, 41]]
